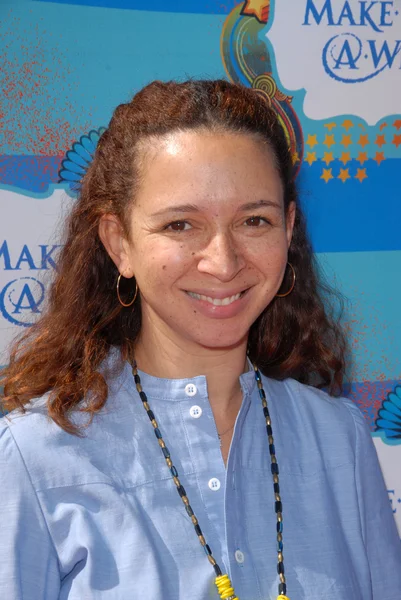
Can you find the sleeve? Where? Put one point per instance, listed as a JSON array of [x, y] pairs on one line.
[[28, 561], [382, 542]]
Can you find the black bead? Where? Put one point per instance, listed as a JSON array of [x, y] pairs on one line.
[[198, 530], [143, 396], [166, 452], [278, 507], [181, 490], [217, 570], [150, 415], [269, 430], [207, 549], [274, 468], [266, 411], [137, 379], [276, 487], [189, 510], [282, 589], [272, 449], [280, 568]]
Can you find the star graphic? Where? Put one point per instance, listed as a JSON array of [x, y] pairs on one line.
[[362, 157], [347, 124], [346, 141], [380, 140], [257, 8], [329, 140], [363, 140], [344, 175], [328, 158], [345, 157], [311, 140], [310, 158], [397, 124], [294, 157], [330, 126], [382, 126], [396, 140], [326, 175], [361, 175], [379, 157]]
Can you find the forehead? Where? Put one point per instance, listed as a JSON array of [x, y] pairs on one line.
[[204, 167]]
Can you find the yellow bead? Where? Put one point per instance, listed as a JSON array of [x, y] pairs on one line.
[[224, 587], [281, 597]]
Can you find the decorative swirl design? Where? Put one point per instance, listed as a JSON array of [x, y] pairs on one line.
[[266, 84]]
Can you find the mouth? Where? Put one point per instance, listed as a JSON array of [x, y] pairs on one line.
[[217, 301]]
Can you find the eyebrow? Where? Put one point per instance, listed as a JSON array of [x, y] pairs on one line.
[[190, 208]]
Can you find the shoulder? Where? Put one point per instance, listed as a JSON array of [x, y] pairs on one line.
[[56, 458], [325, 430]]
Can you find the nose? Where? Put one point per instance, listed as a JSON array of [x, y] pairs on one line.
[[222, 257]]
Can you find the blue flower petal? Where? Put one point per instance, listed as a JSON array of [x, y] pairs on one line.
[[391, 407], [388, 425], [79, 149], [69, 176], [77, 159], [87, 144], [70, 166], [390, 416]]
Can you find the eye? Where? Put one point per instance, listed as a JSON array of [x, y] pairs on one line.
[[178, 226], [255, 221]]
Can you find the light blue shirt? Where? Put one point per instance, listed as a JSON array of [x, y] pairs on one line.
[[99, 517]]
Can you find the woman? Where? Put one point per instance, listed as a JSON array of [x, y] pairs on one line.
[[186, 268]]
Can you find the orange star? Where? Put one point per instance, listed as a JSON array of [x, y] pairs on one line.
[[329, 141], [382, 126], [397, 124], [379, 157], [257, 8], [311, 140], [363, 140], [362, 157], [380, 140], [347, 124], [326, 175], [294, 157], [344, 175], [328, 158], [361, 175], [345, 157], [396, 140], [346, 141], [330, 126], [310, 158]]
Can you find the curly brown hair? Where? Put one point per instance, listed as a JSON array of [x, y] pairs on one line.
[[296, 336]]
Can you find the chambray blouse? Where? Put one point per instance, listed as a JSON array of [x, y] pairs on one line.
[[99, 517]]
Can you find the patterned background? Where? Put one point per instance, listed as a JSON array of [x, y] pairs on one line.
[[332, 72]]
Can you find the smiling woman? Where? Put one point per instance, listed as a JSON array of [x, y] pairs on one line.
[[157, 474]]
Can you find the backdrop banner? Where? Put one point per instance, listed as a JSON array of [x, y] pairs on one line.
[[331, 70]]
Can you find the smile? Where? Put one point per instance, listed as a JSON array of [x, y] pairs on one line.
[[216, 301]]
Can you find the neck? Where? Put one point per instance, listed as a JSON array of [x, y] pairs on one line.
[[160, 355]]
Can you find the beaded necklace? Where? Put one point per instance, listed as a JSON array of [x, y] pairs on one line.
[[223, 583]]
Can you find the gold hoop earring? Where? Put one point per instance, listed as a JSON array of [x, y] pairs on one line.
[[292, 285], [118, 293]]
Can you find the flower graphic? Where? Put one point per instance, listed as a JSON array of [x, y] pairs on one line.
[[389, 415], [77, 160]]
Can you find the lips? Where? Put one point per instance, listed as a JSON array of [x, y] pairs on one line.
[[216, 301]]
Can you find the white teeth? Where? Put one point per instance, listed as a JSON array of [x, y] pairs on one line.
[[216, 301]]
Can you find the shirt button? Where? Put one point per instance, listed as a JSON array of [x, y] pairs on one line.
[[195, 411], [239, 557], [191, 389], [214, 484]]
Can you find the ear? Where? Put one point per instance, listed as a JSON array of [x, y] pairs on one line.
[[117, 246], [290, 220]]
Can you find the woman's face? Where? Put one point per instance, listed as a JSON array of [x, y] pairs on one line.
[[209, 237]]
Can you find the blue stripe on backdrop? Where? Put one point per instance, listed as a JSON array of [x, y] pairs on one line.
[[187, 6], [353, 216]]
